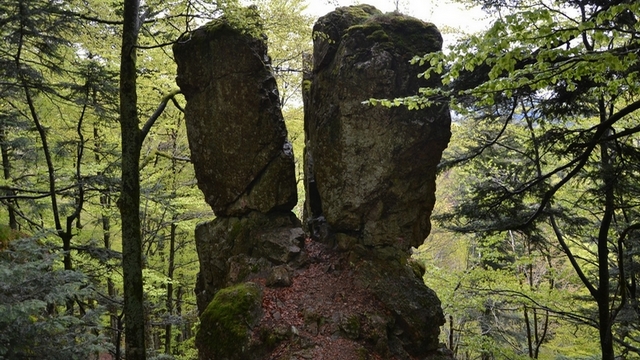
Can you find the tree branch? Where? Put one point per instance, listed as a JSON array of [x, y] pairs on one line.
[[592, 290], [581, 160], [156, 114]]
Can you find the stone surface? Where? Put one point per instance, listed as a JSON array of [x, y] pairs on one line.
[[370, 171], [279, 276], [339, 305], [414, 307], [239, 148], [227, 322], [232, 249]]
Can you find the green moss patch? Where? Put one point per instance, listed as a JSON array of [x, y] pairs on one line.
[[362, 11], [236, 20], [226, 323], [399, 31]]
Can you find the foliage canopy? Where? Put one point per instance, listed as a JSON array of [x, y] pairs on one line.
[[548, 105]]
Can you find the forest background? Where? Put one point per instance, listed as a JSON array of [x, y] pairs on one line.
[[534, 251]]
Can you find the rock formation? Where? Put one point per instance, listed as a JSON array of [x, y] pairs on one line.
[[243, 161], [265, 290], [371, 170], [237, 136]]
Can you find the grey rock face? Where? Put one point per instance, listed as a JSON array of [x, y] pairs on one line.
[[243, 161], [232, 249], [416, 309], [370, 171], [236, 132]]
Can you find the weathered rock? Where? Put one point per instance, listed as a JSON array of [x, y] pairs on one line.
[[266, 292], [370, 171], [231, 249], [227, 322], [279, 276], [350, 305], [239, 148], [414, 307]]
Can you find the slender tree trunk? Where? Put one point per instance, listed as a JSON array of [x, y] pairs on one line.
[[529, 335], [65, 235], [172, 253], [529, 270], [602, 294], [602, 299], [541, 337], [111, 288], [105, 219], [6, 167], [184, 334], [129, 201], [119, 333]]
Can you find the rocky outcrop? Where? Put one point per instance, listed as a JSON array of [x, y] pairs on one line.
[[244, 165], [370, 171], [237, 136], [265, 290], [231, 249]]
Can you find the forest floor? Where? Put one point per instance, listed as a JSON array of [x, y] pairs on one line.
[[322, 314]]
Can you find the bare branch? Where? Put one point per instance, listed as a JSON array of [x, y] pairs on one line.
[[156, 114]]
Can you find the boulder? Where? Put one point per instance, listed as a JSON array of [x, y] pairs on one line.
[[370, 170], [226, 323], [237, 136]]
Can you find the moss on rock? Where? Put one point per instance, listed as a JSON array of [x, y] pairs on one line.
[[329, 29], [397, 33], [350, 325], [226, 324]]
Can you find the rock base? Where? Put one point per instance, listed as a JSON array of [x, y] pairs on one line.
[[341, 305]]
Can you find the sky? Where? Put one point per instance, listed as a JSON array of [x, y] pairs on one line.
[[447, 15]]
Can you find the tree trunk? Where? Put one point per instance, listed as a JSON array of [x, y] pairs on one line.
[[6, 167], [111, 288], [529, 335], [105, 205], [186, 327], [172, 251], [119, 332], [602, 295], [129, 201]]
